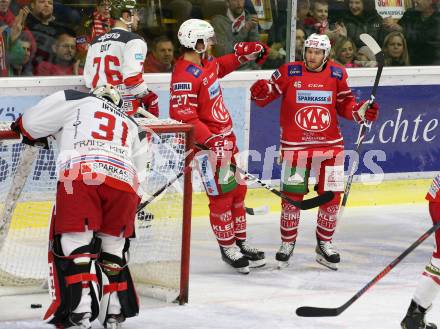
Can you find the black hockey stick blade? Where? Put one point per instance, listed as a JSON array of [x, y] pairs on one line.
[[310, 311], [317, 200]]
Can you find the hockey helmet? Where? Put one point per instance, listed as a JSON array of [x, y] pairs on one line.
[[108, 92], [118, 7], [318, 41], [193, 30]]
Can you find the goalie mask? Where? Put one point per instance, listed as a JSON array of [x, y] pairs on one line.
[[317, 41], [108, 92], [193, 31]]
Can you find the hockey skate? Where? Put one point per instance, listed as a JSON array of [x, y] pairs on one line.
[[114, 321], [256, 257], [415, 318], [283, 254], [327, 255], [235, 258], [76, 321]]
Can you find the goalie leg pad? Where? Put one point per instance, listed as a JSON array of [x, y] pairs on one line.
[[119, 297], [73, 281]]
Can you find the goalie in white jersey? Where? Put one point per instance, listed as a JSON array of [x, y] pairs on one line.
[[101, 163], [117, 58]]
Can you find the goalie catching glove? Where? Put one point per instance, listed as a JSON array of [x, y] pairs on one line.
[[364, 112], [251, 51]]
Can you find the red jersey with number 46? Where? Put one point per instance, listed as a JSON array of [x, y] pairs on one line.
[[311, 102], [196, 96], [117, 58], [434, 191]]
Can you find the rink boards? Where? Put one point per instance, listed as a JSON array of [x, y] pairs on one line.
[[403, 144]]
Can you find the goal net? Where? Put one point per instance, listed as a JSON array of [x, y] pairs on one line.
[[159, 255]]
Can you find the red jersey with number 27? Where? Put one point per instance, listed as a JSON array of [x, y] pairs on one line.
[[196, 96], [311, 102]]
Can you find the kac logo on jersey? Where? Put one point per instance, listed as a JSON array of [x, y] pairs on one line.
[[294, 70], [313, 97], [182, 86], [219, 111], [336, 72], [214, 90], [195, 71], [313, 118]]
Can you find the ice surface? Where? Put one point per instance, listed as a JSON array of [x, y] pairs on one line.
[[368, 238]]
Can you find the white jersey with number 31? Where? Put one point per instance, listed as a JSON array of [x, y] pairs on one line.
[[94, 138]]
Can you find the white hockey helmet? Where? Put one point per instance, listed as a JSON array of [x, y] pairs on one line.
[[193, 30], [109, 93], [318, 41]]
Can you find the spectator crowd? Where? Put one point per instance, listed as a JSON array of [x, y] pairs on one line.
[[47, 37]]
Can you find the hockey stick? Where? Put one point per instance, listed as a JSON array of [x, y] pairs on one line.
[[309, 311], [303, 205], [380, 58], [263, 210], [142, 205]]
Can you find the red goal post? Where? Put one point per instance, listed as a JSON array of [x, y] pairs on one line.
[[160, 253]]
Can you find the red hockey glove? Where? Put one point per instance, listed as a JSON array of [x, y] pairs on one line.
[[251, 51], [150, 103], [221, 145], [260, 90], [363, 112]]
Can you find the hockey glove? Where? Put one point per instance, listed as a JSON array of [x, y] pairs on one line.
[[150, 103], [260, 90], [364, 112], [223, 147], [251, 51], [39, 142]]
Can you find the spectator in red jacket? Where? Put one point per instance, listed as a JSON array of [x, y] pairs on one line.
[[64, 62], [161, 57]]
